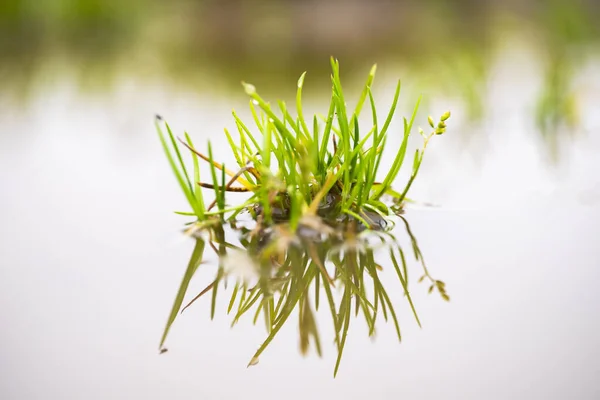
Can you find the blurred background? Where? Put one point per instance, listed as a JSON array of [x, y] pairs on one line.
[[91, 255]]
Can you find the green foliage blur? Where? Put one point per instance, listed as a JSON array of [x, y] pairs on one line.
[[446, 46]]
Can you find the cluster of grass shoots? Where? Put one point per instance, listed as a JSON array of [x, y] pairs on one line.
[[317, 211]]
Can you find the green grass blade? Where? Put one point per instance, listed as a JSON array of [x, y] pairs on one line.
[[251, 91], [197, 189], [327, 130], [185, 188], [243, 128], [178, 153], [414, 114], [299, 106], [388, 120], [365, 91]]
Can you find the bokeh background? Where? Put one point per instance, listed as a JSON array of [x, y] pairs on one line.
[[91, 254]]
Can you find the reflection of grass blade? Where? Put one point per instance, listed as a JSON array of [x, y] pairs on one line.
[[270, 314], [317, 291], [383, 305], [280, 301], [376, 310], [241, 302], [350, 284], [257, 312], [254, 295], [313, 327], [233, 296], [366, 311], [213, 300], [189, 273], [415, 246], [386, 299], [286, 312], [202, 293], [404, 285], [312, 251], [369, 264], [334, 315], [346, 311]]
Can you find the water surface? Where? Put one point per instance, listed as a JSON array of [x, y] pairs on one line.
[[91, 257]]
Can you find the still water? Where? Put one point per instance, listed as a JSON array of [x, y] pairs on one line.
[[91, 256]]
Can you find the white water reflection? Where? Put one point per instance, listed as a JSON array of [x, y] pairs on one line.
[[91, 257]]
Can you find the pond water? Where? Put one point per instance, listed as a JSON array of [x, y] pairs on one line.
[[91, 255]]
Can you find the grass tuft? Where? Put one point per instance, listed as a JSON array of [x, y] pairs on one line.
[[314, 208]]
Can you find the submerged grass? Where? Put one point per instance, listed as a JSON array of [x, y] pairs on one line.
[[318, 209]]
